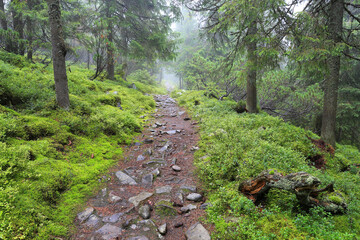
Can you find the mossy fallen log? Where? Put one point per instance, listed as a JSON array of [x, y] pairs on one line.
[[302, 184]]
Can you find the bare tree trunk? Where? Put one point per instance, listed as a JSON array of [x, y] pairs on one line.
[[58, 54], [251, 100], [30, 29], [332, 79], [110, 68], [4, 26]]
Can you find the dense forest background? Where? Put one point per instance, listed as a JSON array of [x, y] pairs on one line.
[[75, 79]]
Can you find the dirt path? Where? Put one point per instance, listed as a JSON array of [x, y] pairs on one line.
[[148, 195]]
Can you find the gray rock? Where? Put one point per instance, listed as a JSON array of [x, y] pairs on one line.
[[85, 214], [179, 198], [164, 189], [92, 221], [137, 144], [136, 200], [148, 141], [194, 148], [171, 132], [196, 197], [113, 198], [197, 232], [144, 211], [109, 231], [153, 163], [188, 208], [181, 113], [190, 188], [140, 158], [162, 229], [113, 218], [129, 170], [176, 168], [148, 179], [205, 206], [156, 172], [173, 161], [138, 238], [103, 192], [125, 179]]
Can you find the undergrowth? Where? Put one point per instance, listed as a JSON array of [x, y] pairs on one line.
[[237, 147], [51, 160]]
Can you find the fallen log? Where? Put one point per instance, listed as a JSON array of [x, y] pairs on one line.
[[302, 184]]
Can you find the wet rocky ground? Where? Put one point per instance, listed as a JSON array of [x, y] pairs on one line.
[[153, 193]]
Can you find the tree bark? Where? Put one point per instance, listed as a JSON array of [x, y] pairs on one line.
[[251, 99], [110, 68], [332, 79], [7, 41], [30, 30], [58, 54]]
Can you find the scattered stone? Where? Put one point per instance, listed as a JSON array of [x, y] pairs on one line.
[[187, 119], [179, 224], [197, 232], [103, 192], [178, 131], [205, 206], [146, 229], [85, 214], [194, 148], [158, 124], [128, 222], [196, 197], [178, 201], [148, 179], [173, 161], [140, 158], [164, 189], [171, 132], [156, 172], [190, 188], [181, 113], [188, 208], [113, 198], [176, 168], [129, 170], [173, 115], [134, 226], [136, 200], [138, 238], [164, 208], [162, 229], [109, 231], [148, 141], [137, 144], [125, 179], [113, 218], [153, 163], [144, 211], [148, 152], [92, 221]]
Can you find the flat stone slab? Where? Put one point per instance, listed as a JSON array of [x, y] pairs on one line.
[[92, 221], [164, 189], [138, 238], [109, 231], [113, 218], [197, 232], [148, 179], [136, 200], [190, 188], [140, 158], [188, 208], [85, 214], [125, 179], [154, 163]]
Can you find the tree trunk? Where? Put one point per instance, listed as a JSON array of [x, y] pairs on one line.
[[110, 68], [332, 79], [30, 30], [251, 100], [7, 41], [58, 54]]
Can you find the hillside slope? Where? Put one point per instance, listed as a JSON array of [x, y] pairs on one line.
[[237, 147], [51, 160]]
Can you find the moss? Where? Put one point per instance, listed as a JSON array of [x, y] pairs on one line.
[[164, 208]]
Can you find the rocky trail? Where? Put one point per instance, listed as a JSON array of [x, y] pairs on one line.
[[153, 193]]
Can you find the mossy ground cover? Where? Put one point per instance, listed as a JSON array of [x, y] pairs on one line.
[[237, 147], [52, 160]]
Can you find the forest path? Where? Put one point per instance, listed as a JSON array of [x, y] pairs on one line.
[[153, 193]]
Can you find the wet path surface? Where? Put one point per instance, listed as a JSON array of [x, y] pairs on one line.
[[153, 193]]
